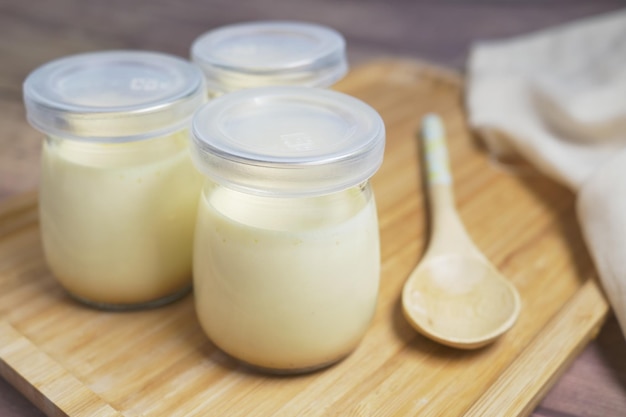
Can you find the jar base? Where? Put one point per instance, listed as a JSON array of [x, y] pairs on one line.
[[288, 371], [136, 306]]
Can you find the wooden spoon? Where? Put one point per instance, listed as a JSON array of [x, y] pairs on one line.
[[454, 296]]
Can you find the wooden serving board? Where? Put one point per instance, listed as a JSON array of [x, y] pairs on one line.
[[72, 360]]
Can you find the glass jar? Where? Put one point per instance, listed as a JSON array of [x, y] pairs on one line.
[[119, 194], [266, 53], [287, 253]]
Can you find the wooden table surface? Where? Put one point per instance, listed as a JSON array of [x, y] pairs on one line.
[[33, 32]]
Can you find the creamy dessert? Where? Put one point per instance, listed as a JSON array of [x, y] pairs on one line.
[[117, 220], [287, 285]]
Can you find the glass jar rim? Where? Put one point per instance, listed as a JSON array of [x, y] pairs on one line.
[[113, 96], [287, 140], [263, 53]]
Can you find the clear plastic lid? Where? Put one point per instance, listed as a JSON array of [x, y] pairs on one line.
[[113, 96], [260, 54], [288, 141]]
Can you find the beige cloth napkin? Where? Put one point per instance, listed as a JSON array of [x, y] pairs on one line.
[[558, 99]]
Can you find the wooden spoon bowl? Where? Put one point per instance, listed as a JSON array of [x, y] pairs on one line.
[[467, 312]]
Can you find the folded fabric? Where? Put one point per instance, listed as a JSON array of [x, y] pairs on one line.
[[558, 98]]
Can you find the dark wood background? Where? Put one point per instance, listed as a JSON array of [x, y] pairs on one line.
[[33, 32]]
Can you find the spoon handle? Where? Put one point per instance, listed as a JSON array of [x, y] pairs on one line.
[[446, 223], [435, 151], [438, 173]]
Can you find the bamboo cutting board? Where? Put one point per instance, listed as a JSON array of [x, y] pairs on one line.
[[72, 360]]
